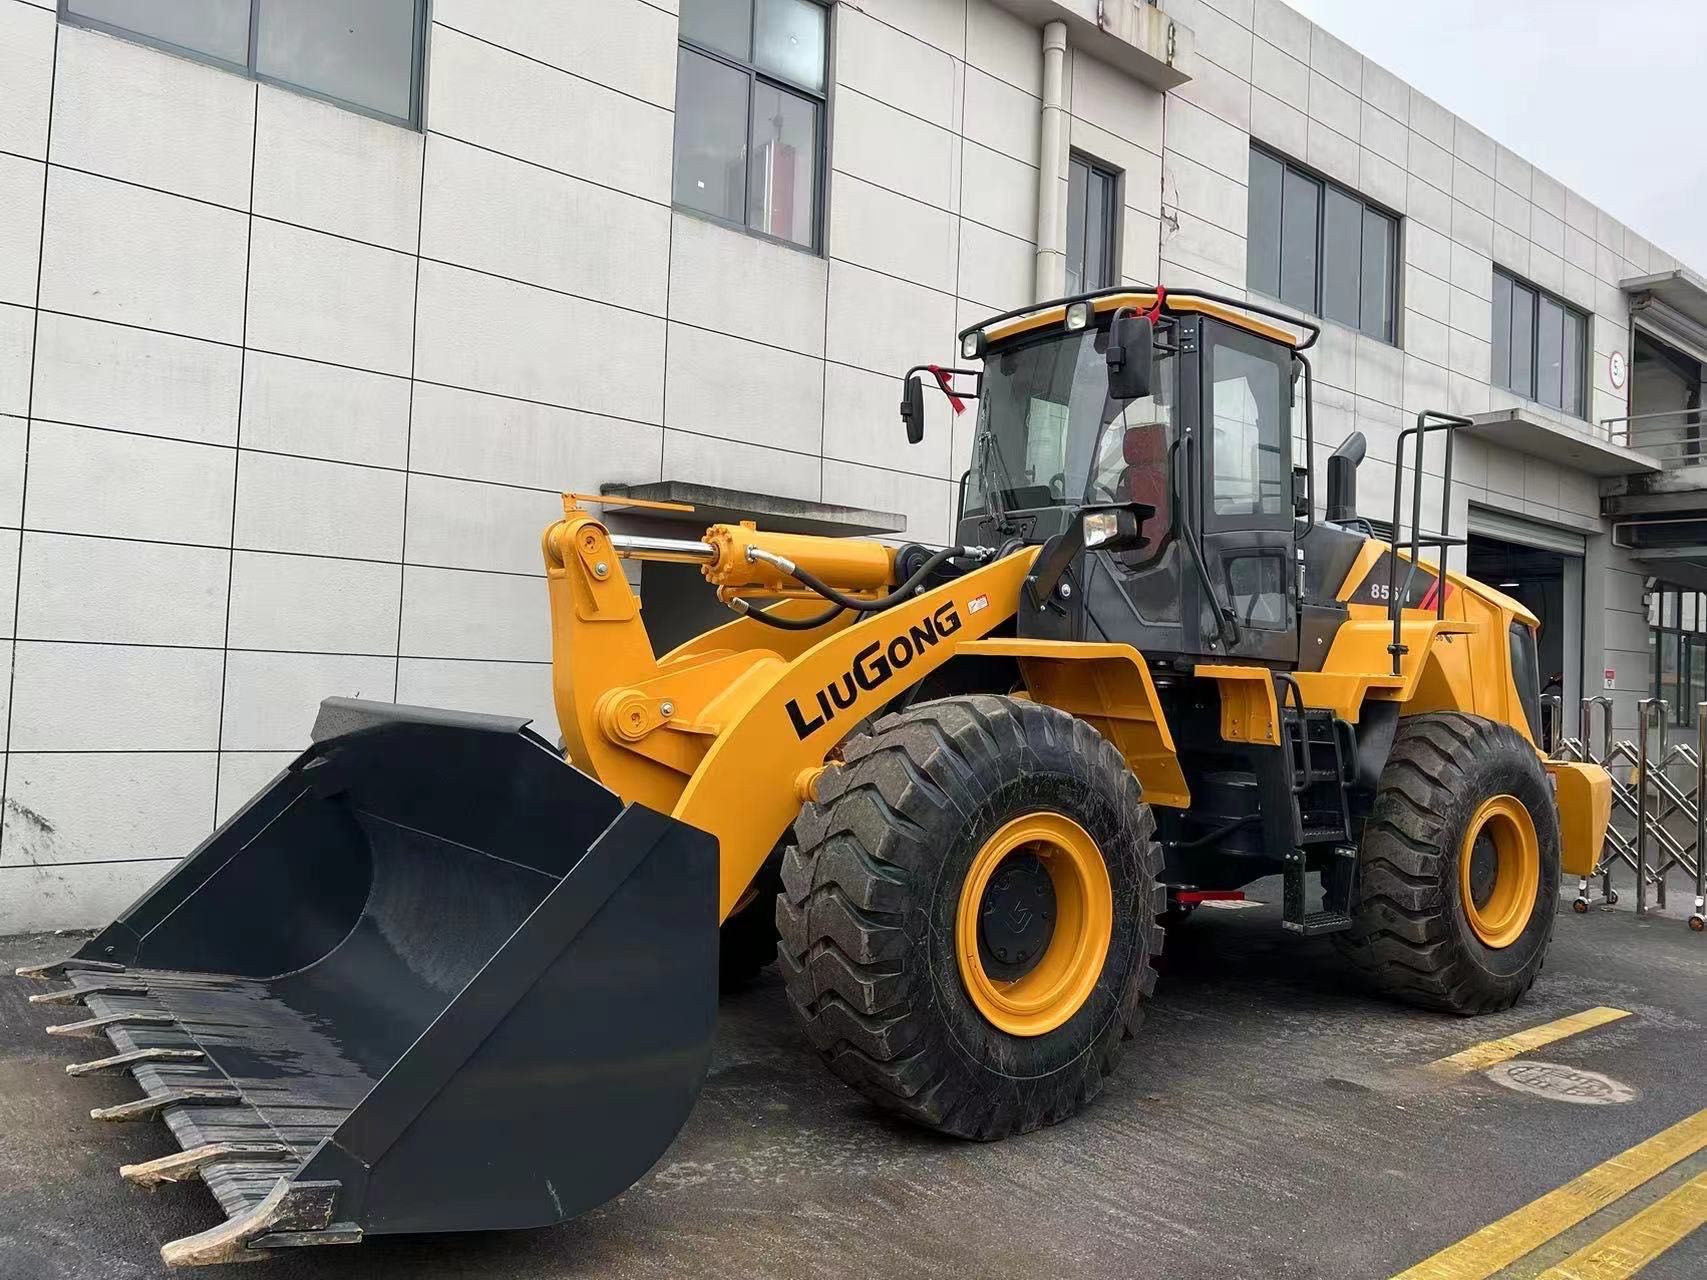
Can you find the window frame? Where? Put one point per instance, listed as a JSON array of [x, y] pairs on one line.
[[1585, 353], [1325, 186], [417, 61], [1666, 623], [821, 142], [1113, 201]]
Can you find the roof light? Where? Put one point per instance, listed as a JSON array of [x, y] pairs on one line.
[[972, 345], [1078, 315]]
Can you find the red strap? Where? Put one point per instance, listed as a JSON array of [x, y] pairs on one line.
[[942, 380], [1155, 312]]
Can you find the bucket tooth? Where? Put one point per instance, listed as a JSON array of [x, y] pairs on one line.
[[290, 1207], [95, 1026], [59, 968], [181, 1166], [119, 1061], [151, 1106], [76, 995]]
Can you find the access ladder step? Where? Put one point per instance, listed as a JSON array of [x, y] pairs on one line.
[[1317, 923], [1296, 915]]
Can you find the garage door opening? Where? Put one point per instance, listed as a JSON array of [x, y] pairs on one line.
[[1548, 584]]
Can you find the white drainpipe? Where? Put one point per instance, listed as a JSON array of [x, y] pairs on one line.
[[1051, 279]]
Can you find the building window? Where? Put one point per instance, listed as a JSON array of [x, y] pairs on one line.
[[1677, 650], [1321, 248], [364, 54], [1540, 345], [750, 108], [1093, 224]]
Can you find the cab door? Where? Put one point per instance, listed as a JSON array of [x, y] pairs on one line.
[[1242, 457]]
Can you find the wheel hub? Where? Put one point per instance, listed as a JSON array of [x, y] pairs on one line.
[[1016, 917], [1499, 871], [1484, 870], [1034, 923]]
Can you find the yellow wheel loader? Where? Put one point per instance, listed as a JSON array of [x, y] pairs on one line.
[[441, 976]]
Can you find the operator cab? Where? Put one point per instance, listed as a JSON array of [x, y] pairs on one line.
[[1191, 437]]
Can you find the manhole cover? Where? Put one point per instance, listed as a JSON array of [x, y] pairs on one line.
[[1560, 1083]]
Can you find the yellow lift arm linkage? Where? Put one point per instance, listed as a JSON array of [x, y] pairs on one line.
[[729, 731]]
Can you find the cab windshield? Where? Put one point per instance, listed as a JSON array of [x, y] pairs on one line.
[[1049, 435]]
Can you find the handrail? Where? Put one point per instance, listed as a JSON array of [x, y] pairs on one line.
[[1429, 420]]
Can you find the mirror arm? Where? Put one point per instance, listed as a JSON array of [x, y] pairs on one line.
[[977, 376]]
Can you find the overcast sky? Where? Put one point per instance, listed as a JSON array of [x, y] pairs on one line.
[[1608, 98]]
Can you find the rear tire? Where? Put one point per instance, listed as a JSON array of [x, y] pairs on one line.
[[872, 902], [1452, 782]]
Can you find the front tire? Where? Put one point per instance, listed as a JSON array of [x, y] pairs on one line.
[[1458, 868], [969, 917]]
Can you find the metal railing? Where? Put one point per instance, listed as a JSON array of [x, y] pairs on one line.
[[1659, 824], [1675, 437]]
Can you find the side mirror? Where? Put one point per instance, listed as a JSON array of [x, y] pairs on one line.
[[1131, 356], [913, 409], [1301, 492]]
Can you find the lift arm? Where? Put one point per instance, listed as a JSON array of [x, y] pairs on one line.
[[729, 732]]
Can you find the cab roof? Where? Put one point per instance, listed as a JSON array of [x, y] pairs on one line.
[[1277, 326]]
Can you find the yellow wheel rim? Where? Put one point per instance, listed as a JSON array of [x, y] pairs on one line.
[[1054, 988], [1499, 870]]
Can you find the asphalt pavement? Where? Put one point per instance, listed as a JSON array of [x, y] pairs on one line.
[[1270, 1121]]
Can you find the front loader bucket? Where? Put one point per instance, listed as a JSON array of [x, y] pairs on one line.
[[432, 978]]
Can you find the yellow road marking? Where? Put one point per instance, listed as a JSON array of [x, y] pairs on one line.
[[1499, 1244], [1632, 1245], [1478, 1057]]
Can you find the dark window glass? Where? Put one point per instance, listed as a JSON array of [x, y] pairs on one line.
[[1342, 257], [1501, 371], [362, 53], [711, 136], [723, 25], [1540, 346], [1549, 351], [1256, 588], [1319, 247], [1092, 225], [1523, 340], [750, 114], [781, 173], [1574, 343], [1099, 228], [217, 28], [1248, 447], [1379, 266], [1300, 221], [1076, 194], [1262, 249]]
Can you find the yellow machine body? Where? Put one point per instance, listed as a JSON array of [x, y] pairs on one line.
[[728, 732]]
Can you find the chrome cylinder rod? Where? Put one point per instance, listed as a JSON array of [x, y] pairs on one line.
[[680, 550]]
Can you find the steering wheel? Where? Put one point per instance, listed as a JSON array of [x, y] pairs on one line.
[[1101, 492]]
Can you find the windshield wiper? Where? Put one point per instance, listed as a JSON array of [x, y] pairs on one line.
[[995, 503]]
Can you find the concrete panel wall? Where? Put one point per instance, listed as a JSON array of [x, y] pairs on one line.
[[287, 393]]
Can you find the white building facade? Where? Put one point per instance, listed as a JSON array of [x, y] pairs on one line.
[[306, 324]]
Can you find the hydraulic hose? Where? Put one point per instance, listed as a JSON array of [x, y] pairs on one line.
[[787, 624], [842, 600]]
